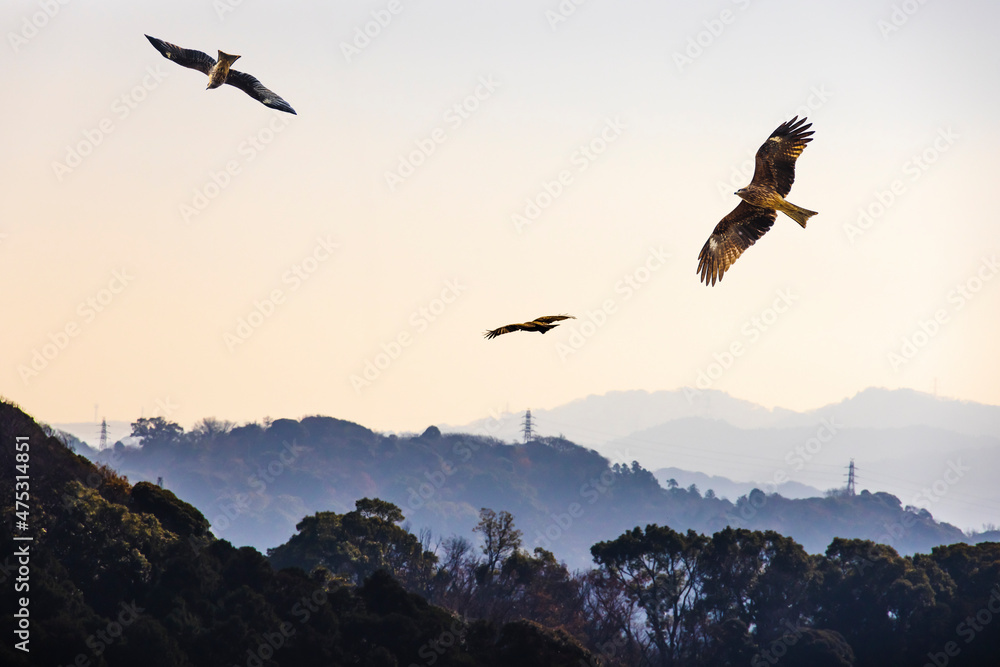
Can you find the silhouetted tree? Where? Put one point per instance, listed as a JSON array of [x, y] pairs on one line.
[[357, 544], [659, 569], [501, 539]]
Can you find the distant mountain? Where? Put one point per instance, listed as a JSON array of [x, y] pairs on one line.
[[599, 419], [256, 482], [903, 442], [899, 408], [595, 420], [948, 473]]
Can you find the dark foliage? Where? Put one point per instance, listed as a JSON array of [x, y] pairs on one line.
[[127, 575], [141, 582]]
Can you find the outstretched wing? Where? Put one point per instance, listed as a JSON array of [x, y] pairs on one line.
[[184, 57], [255, 89], [735, 233], [775, 161], [507, 329], [553, 318]]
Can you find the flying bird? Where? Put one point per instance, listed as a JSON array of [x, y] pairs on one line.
[[773, 175], [539, 324], [219, 72]]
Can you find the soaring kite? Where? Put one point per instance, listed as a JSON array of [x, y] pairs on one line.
[[219, 72], [773, 176], [539, 324]]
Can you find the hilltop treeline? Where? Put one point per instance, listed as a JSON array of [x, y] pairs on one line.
[[254, 482]]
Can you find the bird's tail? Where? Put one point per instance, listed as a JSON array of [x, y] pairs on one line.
[[229, 59], [797, 213]]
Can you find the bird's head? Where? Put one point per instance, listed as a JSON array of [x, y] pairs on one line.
[[740, 191]]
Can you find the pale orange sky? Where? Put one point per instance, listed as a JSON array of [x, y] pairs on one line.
[[129, 271]]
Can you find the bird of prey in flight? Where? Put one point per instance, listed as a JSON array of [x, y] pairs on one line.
[[219, 72], [539, 324], [773, 175]]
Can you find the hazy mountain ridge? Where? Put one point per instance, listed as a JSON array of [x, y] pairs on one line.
[[903, 441], [255, 482], [136, 566], [596, 419], [726, 488]]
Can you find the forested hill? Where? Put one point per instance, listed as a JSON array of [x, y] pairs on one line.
[[129, 574], [123, 575], [255, 482]]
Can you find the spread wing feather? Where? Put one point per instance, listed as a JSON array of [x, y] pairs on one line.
[[507, 329], [183, 57], [735, 233], [775, 160], [547, 319], [539, 324], [255, 89]]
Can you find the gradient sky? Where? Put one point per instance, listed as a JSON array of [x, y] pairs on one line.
[[125, 290]]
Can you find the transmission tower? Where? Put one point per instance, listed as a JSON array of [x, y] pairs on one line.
[[850, 478], [527, 426], [104, 434]]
